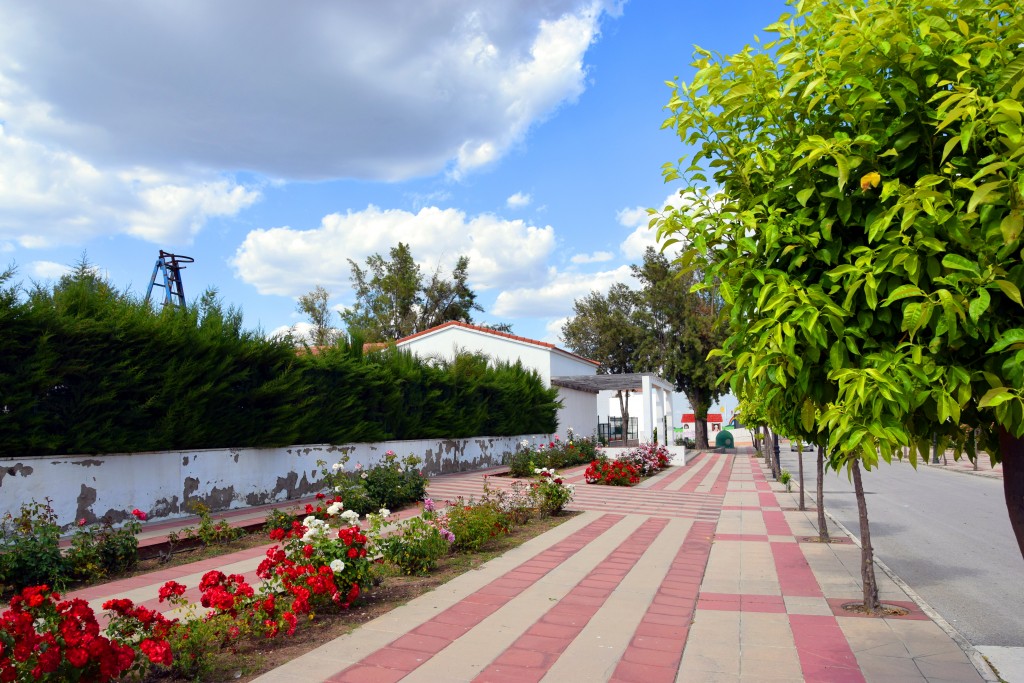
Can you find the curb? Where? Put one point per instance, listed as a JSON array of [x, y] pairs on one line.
[[976, 658]]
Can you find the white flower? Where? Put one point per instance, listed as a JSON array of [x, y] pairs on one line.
[[309, 521], [335, 509], [384, 512], [339, 489], [350, 516], [337, 566], [365, 475], [338, 466]]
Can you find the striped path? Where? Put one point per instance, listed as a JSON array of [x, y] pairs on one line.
[[701, 573]]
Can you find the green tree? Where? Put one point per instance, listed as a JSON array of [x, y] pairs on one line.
[[682, 327], [605, 328], [393, 301], [866, 224], [315, 305]]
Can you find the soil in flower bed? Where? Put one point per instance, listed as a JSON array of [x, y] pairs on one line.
[[253, 659]]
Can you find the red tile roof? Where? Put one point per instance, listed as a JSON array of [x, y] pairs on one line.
[[496, 333], [689, 418]]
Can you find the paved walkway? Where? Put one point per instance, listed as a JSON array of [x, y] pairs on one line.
[[701, 573]]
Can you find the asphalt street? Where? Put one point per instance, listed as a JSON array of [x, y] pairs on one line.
[[946, 534]]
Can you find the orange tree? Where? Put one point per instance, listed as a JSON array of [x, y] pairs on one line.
[[857, 187]]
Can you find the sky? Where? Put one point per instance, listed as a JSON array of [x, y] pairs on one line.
[[274, 141]]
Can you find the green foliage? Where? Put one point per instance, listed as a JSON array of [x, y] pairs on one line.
[[315, 305], [415, 546], [29, 548], [552, 494], [393, 301], [85, 369], [681, 327], [865, 229], [278, 519], [555, 454], [209, 532], [474, 524], [786, 479]]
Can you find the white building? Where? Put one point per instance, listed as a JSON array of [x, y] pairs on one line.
[[587, 398], [579, 408]]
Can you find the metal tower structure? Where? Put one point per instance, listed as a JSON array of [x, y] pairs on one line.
[[169, 267]]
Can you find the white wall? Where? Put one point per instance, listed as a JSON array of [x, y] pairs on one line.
[[163, 483], [564, 365], [579, 411], [448, 342]]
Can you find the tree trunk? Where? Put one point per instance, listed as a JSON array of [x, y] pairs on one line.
[[820, 497], [700, 405], [773, 453], [624, 412], [867, 555], [1012, 450], [800, 458]]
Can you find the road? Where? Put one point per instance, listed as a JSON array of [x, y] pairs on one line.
[[944, 533]]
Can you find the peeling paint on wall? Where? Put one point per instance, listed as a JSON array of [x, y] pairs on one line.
[[220, 478], [19, 469], [86, 499]]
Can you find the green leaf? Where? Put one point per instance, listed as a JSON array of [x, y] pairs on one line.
[[1010, 290], [994, 397], [902, 292], [1011, 226], [983, 194], [843, 164], [807, 413], [978, 306], [1012, 73], [1007, 338], [803, 195], [958, 262]]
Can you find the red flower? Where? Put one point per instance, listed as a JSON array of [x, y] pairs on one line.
[[139, 515], [292, 620], [321, 496], [158, 651], [307, 550], [171, 588]]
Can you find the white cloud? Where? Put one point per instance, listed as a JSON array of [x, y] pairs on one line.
[[317, 89], [288, 261], [518, 200], [642, 236], [553, 329], [49, 196], [555, 298], [596, 257], [47, 270]]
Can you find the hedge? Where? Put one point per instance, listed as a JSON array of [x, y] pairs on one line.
[[85, 369]]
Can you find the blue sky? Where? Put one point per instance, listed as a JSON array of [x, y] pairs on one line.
[[274, 141]]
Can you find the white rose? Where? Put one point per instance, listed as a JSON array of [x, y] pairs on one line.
[[350, 516], [384, 512], [335, 509], [337, 466], [309, 521], [337, 566]]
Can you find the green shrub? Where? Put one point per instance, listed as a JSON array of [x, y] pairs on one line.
[[521, 463], [474, 524], [29, 548], [416, 546]]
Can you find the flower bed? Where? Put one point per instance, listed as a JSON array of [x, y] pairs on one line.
[[555, 454], [322, 564], [629, 468]]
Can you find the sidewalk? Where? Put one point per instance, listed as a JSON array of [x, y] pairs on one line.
[[699, 574]]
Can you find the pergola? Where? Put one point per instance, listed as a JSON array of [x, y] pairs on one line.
[[656, 394]]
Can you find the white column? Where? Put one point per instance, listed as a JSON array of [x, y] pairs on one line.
[[646, 433], [670, 412]]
